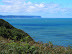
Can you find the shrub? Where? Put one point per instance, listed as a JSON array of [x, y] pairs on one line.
[[8, 31]]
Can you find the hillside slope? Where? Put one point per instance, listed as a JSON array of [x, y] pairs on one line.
[[10, 32]]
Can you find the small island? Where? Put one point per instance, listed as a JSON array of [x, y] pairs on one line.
[[16, 41]]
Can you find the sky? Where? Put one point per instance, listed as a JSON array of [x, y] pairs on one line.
[[44, 8]]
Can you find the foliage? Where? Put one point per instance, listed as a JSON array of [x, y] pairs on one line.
[[36, 48], [8, 31], [5, 24]]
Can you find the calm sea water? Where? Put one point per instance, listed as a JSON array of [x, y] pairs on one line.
[[56, 30]]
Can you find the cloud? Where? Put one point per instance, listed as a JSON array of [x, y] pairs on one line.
[[20, 6]]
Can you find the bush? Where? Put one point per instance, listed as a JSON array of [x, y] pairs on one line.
[[8, 31], [36, 48]]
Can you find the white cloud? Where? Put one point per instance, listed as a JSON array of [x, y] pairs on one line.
[[16, 6], [40, 5]]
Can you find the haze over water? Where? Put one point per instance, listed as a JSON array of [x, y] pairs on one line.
[[56, 30]]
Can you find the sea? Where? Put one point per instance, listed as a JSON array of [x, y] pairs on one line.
[[55, 30]]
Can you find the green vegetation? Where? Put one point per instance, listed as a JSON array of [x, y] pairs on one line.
[[9, 32], [11, 47], [16, 41]]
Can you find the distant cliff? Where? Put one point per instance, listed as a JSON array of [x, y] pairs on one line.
[[16, 16]]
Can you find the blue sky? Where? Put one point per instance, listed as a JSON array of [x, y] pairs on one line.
[[44, 8], [66, 3]]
